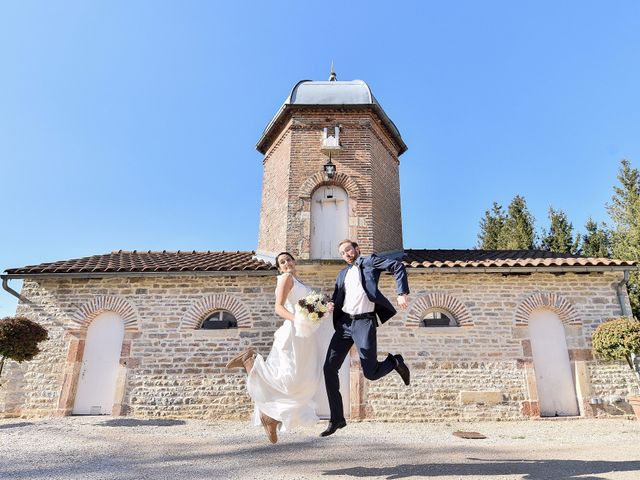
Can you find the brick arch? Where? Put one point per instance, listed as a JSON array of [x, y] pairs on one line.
[[549, 301], [340, 179], [203, 307], [106, 303], [438, 300]]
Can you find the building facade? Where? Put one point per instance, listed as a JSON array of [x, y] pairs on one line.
[[488, 335]]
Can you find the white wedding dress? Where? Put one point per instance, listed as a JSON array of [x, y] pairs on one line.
[[283, 385]]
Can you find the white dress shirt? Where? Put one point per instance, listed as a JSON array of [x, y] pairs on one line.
[[355, 298]]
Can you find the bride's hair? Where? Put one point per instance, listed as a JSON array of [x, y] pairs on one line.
[[278, 258]]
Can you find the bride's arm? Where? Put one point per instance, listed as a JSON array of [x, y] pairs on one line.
[[282, 290]]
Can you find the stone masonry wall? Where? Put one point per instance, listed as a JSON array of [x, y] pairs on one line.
[[490, 354], [173, 370], [471, 372]]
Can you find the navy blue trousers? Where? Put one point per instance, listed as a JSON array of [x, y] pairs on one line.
[[363, 333]]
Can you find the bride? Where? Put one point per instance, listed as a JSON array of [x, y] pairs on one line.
[[282, 387]]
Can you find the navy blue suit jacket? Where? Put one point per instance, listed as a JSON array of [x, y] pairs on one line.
[[370, 269]]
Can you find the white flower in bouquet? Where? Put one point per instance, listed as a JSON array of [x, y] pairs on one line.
[[310, 311]]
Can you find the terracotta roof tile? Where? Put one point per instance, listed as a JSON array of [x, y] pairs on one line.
[[503, 258], [151, 261], [221, 261]]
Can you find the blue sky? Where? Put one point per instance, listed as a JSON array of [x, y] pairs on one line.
[[132, 125]]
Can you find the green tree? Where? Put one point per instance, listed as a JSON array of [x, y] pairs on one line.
[[517, 232], [596, 241], [624, 211], [19, 338], [559, 237], [490, 227]]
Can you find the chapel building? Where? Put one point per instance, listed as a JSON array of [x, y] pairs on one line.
[[488, 334]]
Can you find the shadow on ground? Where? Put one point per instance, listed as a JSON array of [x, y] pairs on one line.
[[134, 422], [15, 425], [477, 468]]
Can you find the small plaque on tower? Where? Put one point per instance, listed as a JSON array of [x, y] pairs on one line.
[[330, 143]]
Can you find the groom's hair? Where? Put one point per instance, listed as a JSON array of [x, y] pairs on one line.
[[346, 240], [278, 258]]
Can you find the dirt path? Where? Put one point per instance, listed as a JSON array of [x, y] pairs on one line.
[[126, 448]]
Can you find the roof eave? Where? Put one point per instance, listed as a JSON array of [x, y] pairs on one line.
[[272, 272], [282, 116], [515, 270], [193, 273]]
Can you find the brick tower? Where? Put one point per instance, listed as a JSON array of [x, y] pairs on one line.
[[306, 207]]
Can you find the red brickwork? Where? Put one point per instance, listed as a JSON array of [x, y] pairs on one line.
[[275, 197], [367, 167], [385, 177]]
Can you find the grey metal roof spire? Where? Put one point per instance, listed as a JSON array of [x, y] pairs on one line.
[[332, 75], [328, 94]]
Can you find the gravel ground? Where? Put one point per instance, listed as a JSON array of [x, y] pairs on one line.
[[133, 449]]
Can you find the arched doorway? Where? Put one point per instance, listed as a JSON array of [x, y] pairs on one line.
[[554, 380], [329, 221], [100, 363]]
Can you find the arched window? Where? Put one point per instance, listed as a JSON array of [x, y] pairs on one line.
[[439, 318], [219, 320]]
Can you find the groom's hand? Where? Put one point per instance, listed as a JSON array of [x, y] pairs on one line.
[[330, 307], [403, 301]]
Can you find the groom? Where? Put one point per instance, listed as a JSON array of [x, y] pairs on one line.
[[357, 302]]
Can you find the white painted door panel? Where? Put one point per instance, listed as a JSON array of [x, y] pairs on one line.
[[100, 363], [329, 221], [556, 390]]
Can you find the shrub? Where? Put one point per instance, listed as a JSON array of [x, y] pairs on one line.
[[19, 339], [618, 339]]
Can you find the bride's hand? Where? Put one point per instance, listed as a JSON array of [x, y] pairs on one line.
[[330, 307]]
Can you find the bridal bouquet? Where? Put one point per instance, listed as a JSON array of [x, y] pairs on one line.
[[310, 311]]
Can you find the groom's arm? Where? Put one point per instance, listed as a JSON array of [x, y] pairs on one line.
[[399, 273], [335, 293], [336, 288]]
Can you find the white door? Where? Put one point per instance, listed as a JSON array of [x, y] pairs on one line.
[[329, 221], [100, 363], [556, 390], [323, 337]]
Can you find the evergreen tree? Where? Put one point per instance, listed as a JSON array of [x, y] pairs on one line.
[[596, 242], [559, 238], [490, 227], [624, 211], [517, 232]]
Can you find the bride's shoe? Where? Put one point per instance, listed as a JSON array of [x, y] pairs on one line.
[[239, 360], [248, 364], [270, 427]]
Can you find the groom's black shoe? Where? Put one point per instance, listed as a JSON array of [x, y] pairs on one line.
[[332, 427], [402, 369]]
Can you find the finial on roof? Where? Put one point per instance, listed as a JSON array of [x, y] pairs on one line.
[[332, 75]]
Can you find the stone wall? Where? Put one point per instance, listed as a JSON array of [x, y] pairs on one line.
[[479, 370], [611, 383], [492, 353]]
